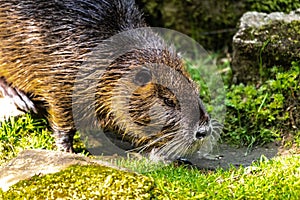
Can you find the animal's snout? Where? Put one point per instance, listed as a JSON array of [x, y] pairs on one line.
[[203, 131], [200, 134]]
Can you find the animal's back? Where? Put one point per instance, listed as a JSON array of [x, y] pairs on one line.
[[43, 44], [45, 40]]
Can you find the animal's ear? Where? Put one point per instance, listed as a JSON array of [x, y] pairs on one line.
[[143, 77]]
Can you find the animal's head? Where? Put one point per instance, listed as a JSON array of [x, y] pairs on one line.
[[150, 98], [143, 91]]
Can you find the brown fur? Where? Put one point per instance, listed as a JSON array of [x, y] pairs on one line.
[[44, 45]]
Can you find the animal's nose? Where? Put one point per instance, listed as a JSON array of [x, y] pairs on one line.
[[203, 131], [200, 134]]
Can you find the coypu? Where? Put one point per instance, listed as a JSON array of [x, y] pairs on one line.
[[45, 44]]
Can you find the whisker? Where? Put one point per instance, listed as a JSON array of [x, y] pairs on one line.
[[179, 146], [142, 148], [174, 147]]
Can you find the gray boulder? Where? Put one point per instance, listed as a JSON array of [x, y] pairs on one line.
[[263, 41]]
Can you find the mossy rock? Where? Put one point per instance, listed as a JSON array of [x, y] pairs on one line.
[[264, 41], [211, 23], [83, 182]]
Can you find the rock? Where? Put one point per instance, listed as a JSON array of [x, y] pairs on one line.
[[263, 41], [39, 162]]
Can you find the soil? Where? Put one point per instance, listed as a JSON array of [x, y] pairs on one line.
[[224, 156]]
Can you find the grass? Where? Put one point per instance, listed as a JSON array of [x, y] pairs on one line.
[[24, 132], [274, 179]]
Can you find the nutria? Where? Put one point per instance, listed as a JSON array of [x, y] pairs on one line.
[[46, 44]]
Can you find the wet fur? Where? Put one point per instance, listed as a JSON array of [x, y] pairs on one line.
[[42, 49]]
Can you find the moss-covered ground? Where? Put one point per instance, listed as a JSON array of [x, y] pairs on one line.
[[83, 182]]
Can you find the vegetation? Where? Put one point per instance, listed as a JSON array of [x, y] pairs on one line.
[[277, 44], [83, 182], [26, 132], [269, 6], [274, 179], [264, 113], [21, 133], [212, 23]]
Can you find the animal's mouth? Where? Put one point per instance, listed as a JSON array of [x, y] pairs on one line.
[[180, 143], [184, 146]]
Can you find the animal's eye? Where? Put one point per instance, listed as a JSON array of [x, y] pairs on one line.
[[169, 102], [143, 77]]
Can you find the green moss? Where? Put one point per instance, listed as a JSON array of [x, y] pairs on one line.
[[280, 44], [275, 43], [280, 36], [84, 182]]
